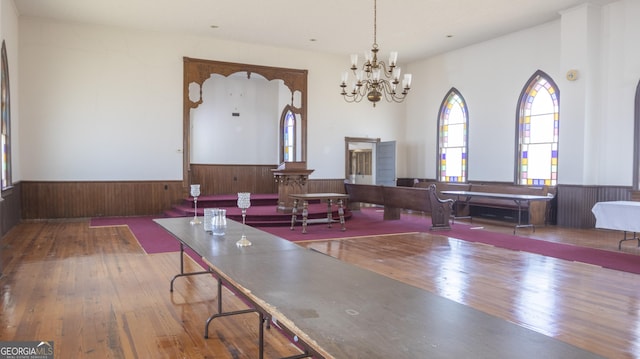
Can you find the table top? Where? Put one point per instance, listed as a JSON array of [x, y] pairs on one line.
[[513, 196], [617, 215], [344, 311], [307, 196]]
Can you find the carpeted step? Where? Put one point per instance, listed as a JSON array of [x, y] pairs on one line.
[[231, 200], [263, 210]]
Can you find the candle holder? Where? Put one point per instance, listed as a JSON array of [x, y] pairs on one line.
[[244, 202], [195, 193]]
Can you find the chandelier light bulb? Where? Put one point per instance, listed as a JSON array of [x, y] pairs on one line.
[[393, 57], [406, 83], [396, 75]]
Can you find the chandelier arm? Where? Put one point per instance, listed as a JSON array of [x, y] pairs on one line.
[[350, 98], [359, 94], [367, 69], [390, 95]]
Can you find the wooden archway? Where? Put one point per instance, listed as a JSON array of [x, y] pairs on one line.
[[198, 71]]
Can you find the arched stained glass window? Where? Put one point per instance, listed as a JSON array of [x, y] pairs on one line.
[[453, 125], [538, 124], [288, 137], [5, 120]]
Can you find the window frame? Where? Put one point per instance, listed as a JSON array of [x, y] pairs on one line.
[[521, 114], [283, 125], [453, 92], [5, 119]]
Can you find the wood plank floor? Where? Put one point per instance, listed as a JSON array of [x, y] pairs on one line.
[[96, 294], [590, 307]]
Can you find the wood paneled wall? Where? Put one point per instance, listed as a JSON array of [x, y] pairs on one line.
[[575, 203], [326, 186], [44, 200], [50, 200], [228, 179], [10, 212]]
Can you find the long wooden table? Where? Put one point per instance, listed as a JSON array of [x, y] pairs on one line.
[[519, 200], [619, 215], [337, 310]]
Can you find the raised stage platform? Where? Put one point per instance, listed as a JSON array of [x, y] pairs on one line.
[[263, 211]]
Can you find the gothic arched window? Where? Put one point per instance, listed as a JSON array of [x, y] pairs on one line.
[[538, 124], [453, 123]]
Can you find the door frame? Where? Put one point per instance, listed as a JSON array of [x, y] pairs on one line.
[[347, 158]]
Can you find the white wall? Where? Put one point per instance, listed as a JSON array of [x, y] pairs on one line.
[[99, 103], [490, 77], [596, 111], [219, 137], [620, 75], [106, 104]]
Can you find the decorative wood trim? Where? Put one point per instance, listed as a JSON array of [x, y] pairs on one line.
[[347, 141], [198, 71]]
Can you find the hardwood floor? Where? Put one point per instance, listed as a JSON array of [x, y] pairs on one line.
[[590, 307], [96, 294]]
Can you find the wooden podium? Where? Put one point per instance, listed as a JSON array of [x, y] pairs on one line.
[[292, 178]]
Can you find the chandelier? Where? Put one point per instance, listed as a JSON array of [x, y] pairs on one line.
[[375, 79]]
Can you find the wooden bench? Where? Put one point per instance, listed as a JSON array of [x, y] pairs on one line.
[[534, 212], [395, 199]]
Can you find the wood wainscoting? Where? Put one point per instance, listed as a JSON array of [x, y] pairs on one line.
[[326, 186], [10, 208], [79, 199], [227, 179], [575, 203]]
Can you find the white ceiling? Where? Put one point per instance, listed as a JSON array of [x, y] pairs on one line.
[[415, 28]]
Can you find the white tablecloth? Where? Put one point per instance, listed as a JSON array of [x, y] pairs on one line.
[[618, 215]]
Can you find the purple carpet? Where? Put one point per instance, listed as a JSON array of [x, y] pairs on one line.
[[152, 237], [369, 222]]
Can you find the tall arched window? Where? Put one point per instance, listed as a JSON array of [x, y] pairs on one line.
[[5, 119], [453, 123], [289, 133], [288, 130], [538, 124]]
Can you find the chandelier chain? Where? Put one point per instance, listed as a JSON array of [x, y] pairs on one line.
[[375, 23]]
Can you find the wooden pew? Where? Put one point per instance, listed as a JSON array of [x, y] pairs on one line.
[[536, 212], [395, 199]]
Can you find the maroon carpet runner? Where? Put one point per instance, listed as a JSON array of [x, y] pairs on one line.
[[154, 239]]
